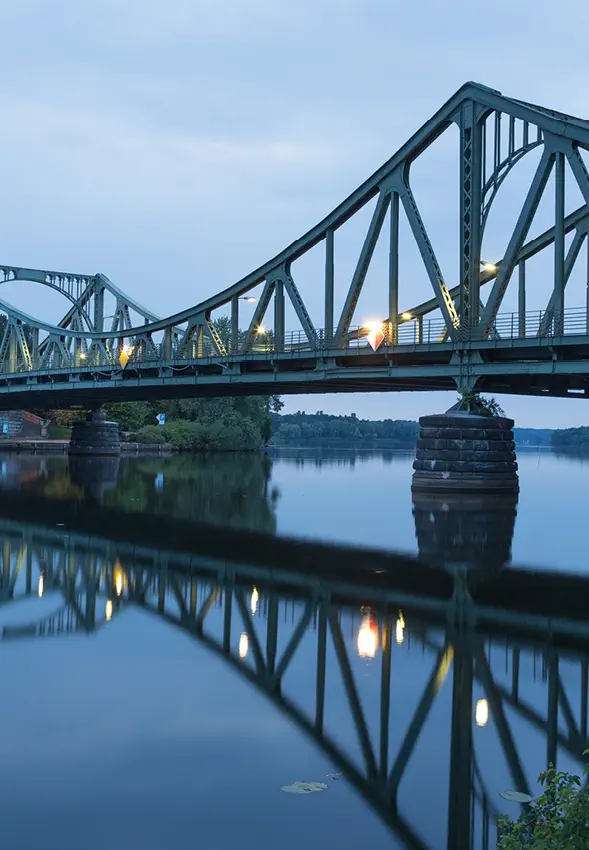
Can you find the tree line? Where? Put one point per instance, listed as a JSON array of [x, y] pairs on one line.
[[301, 428]]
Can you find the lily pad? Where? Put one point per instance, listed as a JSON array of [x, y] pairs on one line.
[[516, 796], [304, 787]]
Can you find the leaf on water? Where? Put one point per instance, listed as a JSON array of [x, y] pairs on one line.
[[304, 787], [516, 796]]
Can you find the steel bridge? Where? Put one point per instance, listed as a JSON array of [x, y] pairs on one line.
[[258, 618], [460, 336]]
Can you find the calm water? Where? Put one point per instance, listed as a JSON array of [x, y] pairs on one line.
[[168, 665]]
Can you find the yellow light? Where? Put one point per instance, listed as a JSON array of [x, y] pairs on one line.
[[254, 600], [399, 631], [83, 355], [244, 645], [261, 330], [41, 587], [119, 577], [367, 637], [108, 609], [489, 267], [123, 358], [481, 714], [406, 316], [373, 326]]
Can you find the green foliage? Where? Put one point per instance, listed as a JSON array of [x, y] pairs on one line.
[[62, 418], [236, 435], [571, 438], [301, 428], [130, 414], [474, 402], [556, 820]]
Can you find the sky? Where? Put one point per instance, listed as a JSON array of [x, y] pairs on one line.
[[177, 146]]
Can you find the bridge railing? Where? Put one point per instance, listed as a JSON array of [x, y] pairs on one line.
[[412, 331]]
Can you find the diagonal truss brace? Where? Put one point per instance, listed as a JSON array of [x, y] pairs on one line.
[[516, 242]]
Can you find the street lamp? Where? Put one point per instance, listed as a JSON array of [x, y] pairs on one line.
[[249, 298], [488, 267]]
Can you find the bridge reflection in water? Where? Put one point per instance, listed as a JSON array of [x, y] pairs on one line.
[[316, 601]]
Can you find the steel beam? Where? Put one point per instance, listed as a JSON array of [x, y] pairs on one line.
[[516, 242]]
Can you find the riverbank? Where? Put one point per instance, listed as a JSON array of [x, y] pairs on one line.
[[62, 446]]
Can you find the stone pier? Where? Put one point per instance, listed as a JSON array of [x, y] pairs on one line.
[[464, 452], [95, 436]]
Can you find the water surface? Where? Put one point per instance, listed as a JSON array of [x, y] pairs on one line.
[[168, 666]]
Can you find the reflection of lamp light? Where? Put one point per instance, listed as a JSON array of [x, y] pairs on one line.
[[108, 609], [119, 577], [41, 587], [367, 637], [254, 600], [399, 631], [244, 645], [481, 714], [406, 316]]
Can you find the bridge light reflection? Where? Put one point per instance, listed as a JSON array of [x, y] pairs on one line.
[[244, 645], [41, 587], [368, 636], [261, 330], [119, 577], [406, 316], [254, 600], [108, 611], [400, 629], [481, 714]]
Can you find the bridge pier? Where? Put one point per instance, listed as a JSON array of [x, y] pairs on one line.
[[95, 436], [464, 452]]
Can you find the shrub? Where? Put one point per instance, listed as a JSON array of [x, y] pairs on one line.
[[558, 819]]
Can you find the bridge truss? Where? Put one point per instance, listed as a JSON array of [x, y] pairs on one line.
[[456, 337], [259, 620]]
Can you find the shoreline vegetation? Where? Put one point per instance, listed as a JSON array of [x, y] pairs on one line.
[[251, 424]]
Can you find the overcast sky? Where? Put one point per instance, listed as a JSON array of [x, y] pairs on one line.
[[177, 145]]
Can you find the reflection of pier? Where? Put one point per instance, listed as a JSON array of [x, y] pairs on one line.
[[237, 610], [464, 529]]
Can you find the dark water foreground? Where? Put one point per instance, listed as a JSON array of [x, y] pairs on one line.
[[170, 661]]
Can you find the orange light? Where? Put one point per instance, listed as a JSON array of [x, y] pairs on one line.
[[367, 637]]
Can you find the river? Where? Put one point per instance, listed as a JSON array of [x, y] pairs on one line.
[[170, 664]]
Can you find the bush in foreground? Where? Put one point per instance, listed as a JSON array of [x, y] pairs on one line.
[[556, 820]]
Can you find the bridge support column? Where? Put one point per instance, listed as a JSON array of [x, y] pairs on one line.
[[95, 436], [465, 452]]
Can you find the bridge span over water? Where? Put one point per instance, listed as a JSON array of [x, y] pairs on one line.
[[461, 335]]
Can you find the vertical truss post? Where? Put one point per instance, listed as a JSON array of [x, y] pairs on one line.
[[200, 346], [235, 324], [521, 300], [329, 284], [228, 600], [459, 819], [12, 349], [584, 695], [471, 145], [385, 697], [394, 270], [98, 307], [559, 246], [272, 634], [321, 658], [587, 287], [29, 571], [279, 316], [552, 725]]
